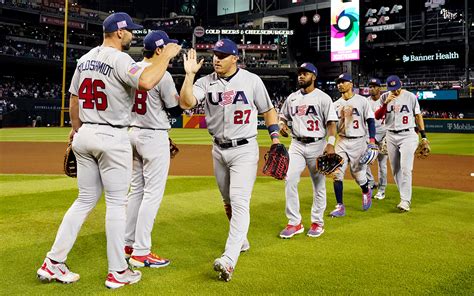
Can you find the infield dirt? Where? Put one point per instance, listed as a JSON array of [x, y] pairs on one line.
[[437, 171]]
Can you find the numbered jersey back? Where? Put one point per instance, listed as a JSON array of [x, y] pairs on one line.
[[104, 81], [149, 110]]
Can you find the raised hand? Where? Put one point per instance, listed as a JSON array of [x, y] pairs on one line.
[[191, 65], [171, 50]]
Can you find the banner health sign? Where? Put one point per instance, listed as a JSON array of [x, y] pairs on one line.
[[344, 30]]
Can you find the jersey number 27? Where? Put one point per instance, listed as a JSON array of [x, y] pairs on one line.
[[91, 91]]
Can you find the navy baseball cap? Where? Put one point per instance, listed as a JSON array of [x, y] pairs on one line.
[[393, 82], [117, 21], [157, 39], [309, 68], [226, 46], [344, 77], [375, 81]]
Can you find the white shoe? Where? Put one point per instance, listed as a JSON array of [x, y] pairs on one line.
[[245, 246], [380, 195], [117, 280], [404, 206], [59, 272], [224, 269]]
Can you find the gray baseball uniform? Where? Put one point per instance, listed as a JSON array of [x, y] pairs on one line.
[[231, 107], [104, 81], [402, 139], [307, 115], [151, 160], [380, 132], [352, 129]]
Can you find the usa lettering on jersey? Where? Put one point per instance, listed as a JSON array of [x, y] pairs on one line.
[[303, 110], [227, 98]]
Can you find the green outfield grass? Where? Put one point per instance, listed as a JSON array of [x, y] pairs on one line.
[[441, 143], [427, 251]]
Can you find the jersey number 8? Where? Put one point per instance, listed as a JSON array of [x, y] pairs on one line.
[[140, 102], [91, 92]]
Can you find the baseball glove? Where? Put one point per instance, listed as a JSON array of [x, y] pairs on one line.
[[424, 149], [276, 162], [370, 154], [326, 164], [173, 148], [383, 147], [70, 163]]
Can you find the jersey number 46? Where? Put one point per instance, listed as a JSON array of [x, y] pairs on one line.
[[91, 91]]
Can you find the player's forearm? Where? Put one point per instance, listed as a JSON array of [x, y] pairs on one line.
[[153, 73], [186, 96], [271, 121], [331, 129], [421, 124], [74, 112]]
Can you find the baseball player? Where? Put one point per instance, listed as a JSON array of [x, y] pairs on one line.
[[402, 112], [100, 106], [232, 99], [354, 112], [375, 104], [151, 156], [311, 115]]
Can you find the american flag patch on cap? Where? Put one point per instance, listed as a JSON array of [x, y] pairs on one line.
[[121, 24], [159, 42]]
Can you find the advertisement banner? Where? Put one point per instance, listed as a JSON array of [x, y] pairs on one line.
[[432, 95], [449, 125], [345, 30], [194, 121]]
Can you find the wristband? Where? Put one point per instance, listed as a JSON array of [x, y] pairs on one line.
[[423, 134], [332, 140], [273, 130]]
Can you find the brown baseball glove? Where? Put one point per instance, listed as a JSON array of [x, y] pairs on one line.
[[424, 149], [276, 162], [326, 164], [70, 163], [173, 148]]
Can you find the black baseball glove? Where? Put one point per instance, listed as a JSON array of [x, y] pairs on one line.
[[173, 148], [276, 162], [326, 164], [70, 163]]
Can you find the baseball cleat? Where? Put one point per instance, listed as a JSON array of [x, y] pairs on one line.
[[367, 200], [291, 230], [380, 195], [404, 206], [59, 272], [117, 279], [245, 246], [224, 268], [340, 211], [128, 251], [316, 230], [150, 260]]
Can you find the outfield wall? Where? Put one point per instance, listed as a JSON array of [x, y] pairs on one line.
[[431, 125]]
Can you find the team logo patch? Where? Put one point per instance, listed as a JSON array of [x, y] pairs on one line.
[[393, 83], [219, 43], [159, 42], [303, 65], [227, 97], [133, 70], [342, 75], [373, 80], [121, 24]]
